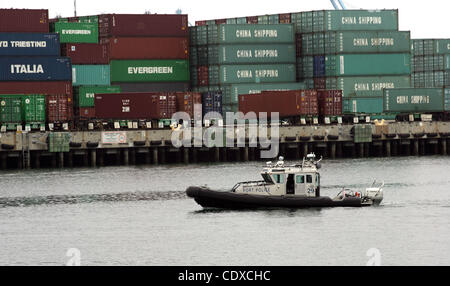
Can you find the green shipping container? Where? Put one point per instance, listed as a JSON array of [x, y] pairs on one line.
[[368, 64], [232, 92], [410, 100], [230, 74], [90, 75], [362, 105], [251, 34], [85, 95], [11, 108], [82, 19], [33, 108], [150, 71], [367, 86], [76, 32], [251, 54], [367, 42], [442, 46], [355, 20]]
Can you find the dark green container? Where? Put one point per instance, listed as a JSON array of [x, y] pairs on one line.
[[251, 54], [410, 100], [358, 105], [85, 95], [76, 32], [368, 64], [251, 34], [11, 109], [367, 86], [149, 71], [355, 20], [33, 109], [230, 74]]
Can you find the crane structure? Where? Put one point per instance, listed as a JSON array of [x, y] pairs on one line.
[[339, 5]]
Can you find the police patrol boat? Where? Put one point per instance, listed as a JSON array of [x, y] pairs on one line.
[[296, 186]]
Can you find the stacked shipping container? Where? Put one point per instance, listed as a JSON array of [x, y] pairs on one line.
[[31, 68]]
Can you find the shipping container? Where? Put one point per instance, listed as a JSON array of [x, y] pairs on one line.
[[330, 102], [366, 86], [149, 70], [367, 42], [90, 75], [58, 108], [84, 113], [251, 34], [76, 32], [366, 105], [367, 64], [154, 87], [85, 95], [148, 25], [354, 20], [81, 19], [232, 92], [251, 54], [35, 69], [286, 103], [33, 109], [36, 87], [148, 48], [24, 21], [186, 102], [29, 44], [442, 46], [10, 109], [86, 54], [231, 74], [212, 102], [138, 106], [412, 100]]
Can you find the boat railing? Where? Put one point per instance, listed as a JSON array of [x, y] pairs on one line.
[[256, 183]]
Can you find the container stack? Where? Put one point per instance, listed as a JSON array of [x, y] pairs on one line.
[[241, 58], [32, 73], [430, 63], [90, 61], [360, 52]]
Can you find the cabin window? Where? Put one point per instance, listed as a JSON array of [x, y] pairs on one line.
[[300, 179], [279, 179], [267, 178], [309, 179], [317, 180]]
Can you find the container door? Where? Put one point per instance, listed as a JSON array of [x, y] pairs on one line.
[[300, 187]]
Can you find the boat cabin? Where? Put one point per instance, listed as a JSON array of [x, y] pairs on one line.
[[280, 180]]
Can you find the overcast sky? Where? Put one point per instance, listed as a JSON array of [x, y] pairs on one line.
[[425, 19]]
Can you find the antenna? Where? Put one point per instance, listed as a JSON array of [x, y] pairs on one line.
[[75, 7], [178, 11]]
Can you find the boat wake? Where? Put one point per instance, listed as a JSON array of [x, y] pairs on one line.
[[90, 198]]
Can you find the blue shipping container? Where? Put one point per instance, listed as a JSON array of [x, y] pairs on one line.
[[319, 66], [29, 44], [35, 69], [212, 102]]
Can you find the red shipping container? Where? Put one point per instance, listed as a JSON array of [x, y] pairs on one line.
[[24, 21], [147, 48], [40, 87], [186, 102], [147, 25], [135, 106], [286, 103], [203, 75], [221, 21], [330, 102], [285, 18], [200, 23], [58, 108], [85, 112], [320, 83], [89, 54], [252, 20]]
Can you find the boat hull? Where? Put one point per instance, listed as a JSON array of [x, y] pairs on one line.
[[228, 200]]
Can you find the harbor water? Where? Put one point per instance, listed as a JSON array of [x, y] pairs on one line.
[[141, 216]]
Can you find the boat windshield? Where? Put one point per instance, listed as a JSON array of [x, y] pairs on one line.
[[267, 178]]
